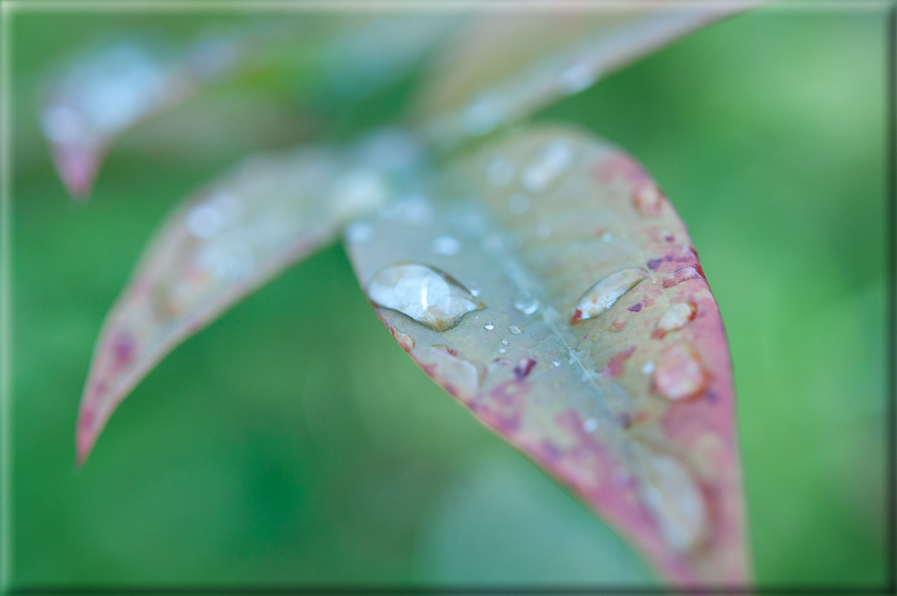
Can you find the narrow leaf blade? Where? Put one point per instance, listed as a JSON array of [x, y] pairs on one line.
[[512, 62], [555, 293], [224, 242]]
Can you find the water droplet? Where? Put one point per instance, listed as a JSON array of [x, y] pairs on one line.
[[359, 232], [600, 297], [675, 500], [556, 362], [405, 340], [483, 115], [543, 232], [227, 261], [554, 159], [590, 425], [524, 302], [204, 221], [518, 204], [359, 191], [515, 330], [489, 326], [446, 245], [677, 277], [607, 237], [648, 199], [502, 351], [576, 78], [413, 209], [504, 342], [523, 368], [680, 374], [428, 296], [501, 171], [676, 317], [648, 368]]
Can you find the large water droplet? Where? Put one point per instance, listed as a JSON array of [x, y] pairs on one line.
[[676, 317], [524, 302], [600, 297], [554, 159], [425, 294], [679, 374], [674, 498]]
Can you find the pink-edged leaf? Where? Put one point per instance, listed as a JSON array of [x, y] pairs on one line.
[[225, 241], [517, 58], [103, 95], [554, 291]]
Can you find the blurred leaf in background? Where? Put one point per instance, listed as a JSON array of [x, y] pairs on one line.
[[293, 441]]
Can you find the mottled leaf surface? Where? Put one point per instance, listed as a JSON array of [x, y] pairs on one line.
[[561, 301], [225, 241], [516, 59]]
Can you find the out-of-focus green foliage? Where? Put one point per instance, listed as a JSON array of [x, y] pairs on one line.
[[292, 441]]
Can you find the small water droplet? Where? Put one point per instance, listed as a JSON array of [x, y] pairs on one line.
[[446, 245], [359, 232], [358, 192], [648, 368], [676, 317], [648, 199], [553, 160], [556, 362], [405, 340], [518, 204], [600, 297], [504, 342], [524, 303], [680, 374], [515, 330], [489, 326], [483, 115], [675, 500], [590, 425], [204, 221], [502, 351], [425, 294], [607, 237], [501, 171], [576, 78], [677, 277]]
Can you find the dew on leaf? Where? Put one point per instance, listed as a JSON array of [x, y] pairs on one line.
[[502, 351], [425, 294], [677, 277], [515, 330], [553, 160], [601, 296], [648, 199], [590, 425], [556, 362], [524, 303], [359, 191], [675, 500], [504, 342], [489, 326], [446, 245], [648, 368], [679, 374], [576, 78], [676, 317], [204, 221]]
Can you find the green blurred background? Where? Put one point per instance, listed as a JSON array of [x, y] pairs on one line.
[[294, 442]]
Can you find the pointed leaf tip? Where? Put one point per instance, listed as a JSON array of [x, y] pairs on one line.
[[639, 424]]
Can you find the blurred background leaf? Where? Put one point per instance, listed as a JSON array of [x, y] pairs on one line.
[[292, 441]]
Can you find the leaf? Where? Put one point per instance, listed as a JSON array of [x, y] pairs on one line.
[[561, 301], [507, 65], [224, 242]]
